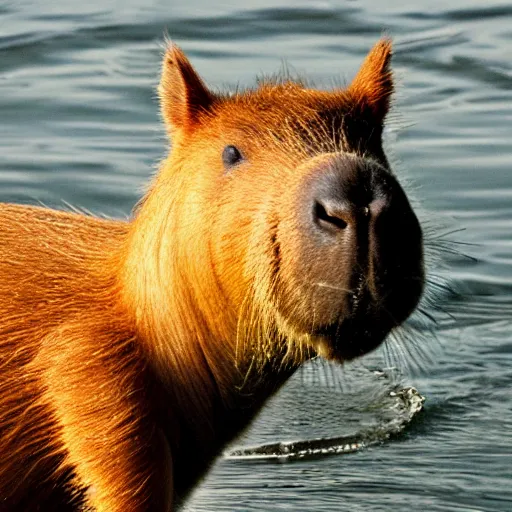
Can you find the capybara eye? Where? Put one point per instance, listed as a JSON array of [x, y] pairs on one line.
[[231, 156]]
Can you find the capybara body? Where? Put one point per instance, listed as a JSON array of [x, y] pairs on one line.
[[132, 352]]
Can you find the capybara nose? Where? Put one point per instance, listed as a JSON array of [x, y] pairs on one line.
[[362, 247], [332, 215], [340, 195]]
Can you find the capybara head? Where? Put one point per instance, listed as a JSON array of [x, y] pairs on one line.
[[286, 197]]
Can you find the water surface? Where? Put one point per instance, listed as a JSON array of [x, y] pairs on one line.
[[79, 125]]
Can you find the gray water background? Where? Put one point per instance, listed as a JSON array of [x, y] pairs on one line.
[[79, 125]]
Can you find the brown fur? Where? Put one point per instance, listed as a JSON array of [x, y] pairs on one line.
[[131, 352]]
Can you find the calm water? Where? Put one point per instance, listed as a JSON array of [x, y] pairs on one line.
[[79, 125]]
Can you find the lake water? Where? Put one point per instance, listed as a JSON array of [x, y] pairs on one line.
[[79, 125]]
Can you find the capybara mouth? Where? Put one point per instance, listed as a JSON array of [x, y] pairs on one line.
[[355, 334], [350, 338]]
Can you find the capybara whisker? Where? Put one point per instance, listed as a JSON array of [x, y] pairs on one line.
[[332, 287]]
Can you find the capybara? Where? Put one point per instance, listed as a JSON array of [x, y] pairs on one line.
[[132, 351]]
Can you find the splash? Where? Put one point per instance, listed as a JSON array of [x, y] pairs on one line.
[[405, 404]]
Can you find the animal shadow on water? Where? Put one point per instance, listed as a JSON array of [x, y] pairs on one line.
[[132, 352]]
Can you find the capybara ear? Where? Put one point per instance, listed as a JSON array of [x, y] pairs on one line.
[[183, 95], [373, 85]]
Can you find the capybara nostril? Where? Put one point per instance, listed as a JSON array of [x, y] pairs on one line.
[[331, 215]]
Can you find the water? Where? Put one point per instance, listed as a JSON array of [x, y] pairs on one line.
[[79, 125]]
